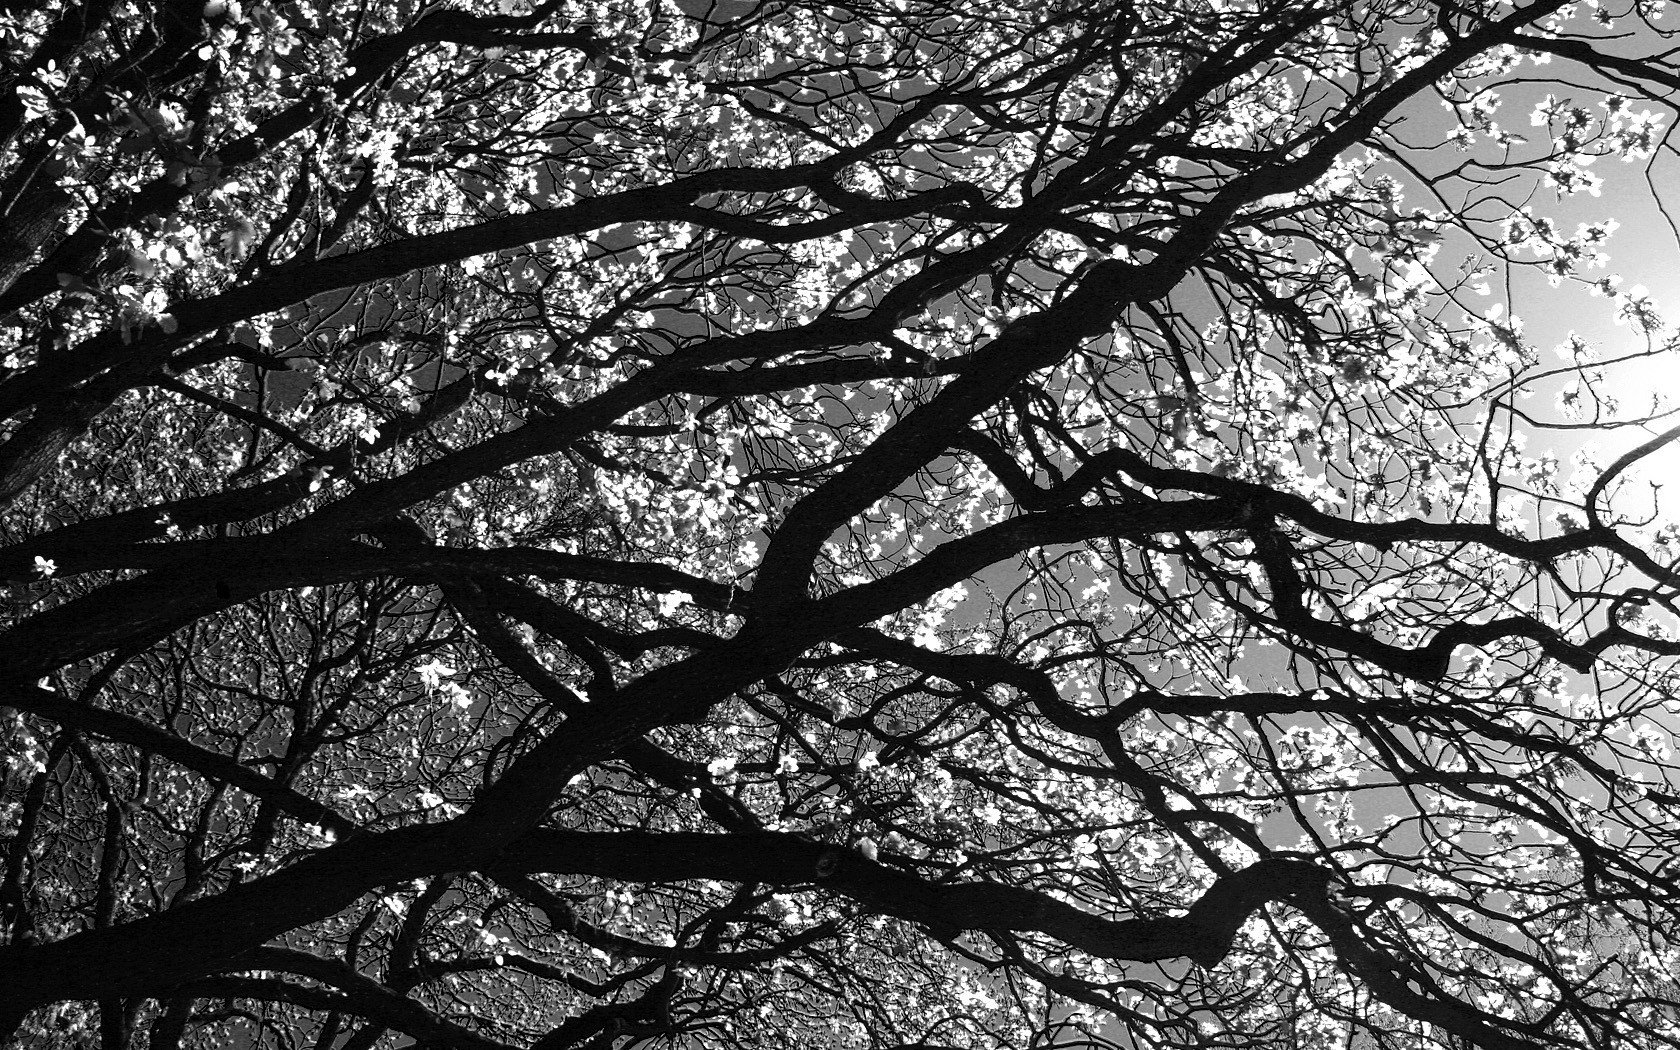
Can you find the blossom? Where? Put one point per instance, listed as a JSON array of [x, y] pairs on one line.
[[434, 672]]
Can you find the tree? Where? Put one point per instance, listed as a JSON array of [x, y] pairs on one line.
[[888, 524]]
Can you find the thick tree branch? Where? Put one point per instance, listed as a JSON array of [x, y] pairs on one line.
[[126, 729], [351, 994], [1203, 934]]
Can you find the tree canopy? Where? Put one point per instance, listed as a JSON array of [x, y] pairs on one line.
[[880, 524]]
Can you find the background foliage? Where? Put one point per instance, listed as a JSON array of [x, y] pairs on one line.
[[883, 525]]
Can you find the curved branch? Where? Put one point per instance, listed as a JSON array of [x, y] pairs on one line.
[[352, 994], [126, 729], [1203, 934]]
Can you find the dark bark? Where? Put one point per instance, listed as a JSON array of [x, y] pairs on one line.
[[82, 717], [1203, 934]]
